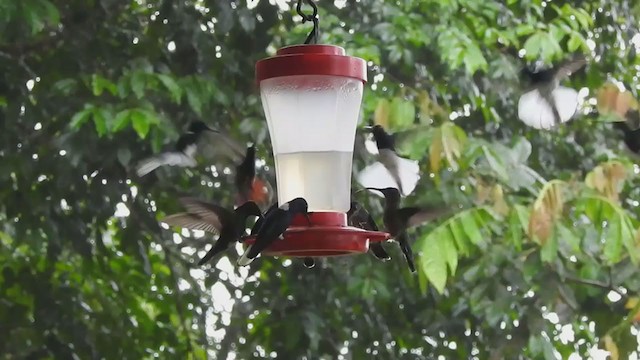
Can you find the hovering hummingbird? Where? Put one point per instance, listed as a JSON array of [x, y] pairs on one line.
[[249, 186], [397, 220], [404, 173], [209, 217], [273, 227], [200, 140], [631, 133], [546, 103], [358, 216]]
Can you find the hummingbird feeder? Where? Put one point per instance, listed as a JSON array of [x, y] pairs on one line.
[[311, 95]]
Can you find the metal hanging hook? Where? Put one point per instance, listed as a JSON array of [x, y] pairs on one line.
[[313, 35]]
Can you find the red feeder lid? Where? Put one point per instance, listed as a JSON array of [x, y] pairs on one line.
[[328, 235], [311, 60]]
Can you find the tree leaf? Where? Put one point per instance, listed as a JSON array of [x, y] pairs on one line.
[[449, 251], [194, 99], [138, 84], [140, 123], [611, 347], [172, 86], [435, 152], [81, 117], [549, 251], [100, 118], [402, 113], [121, 120], [473, 59], [381, 114], [433, 263]]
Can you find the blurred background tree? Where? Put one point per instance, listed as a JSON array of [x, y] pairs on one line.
[[542, 263]]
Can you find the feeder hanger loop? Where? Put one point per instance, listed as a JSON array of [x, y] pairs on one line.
[[313, 17]]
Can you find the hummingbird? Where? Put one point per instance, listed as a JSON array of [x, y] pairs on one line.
[[184, 153], [199, 140], [397, 220], [358, 216], [273, 227], [248, 185], [256, 227], [212, 218], [546, 103], [307, 261], [404, 173], [631, 133]]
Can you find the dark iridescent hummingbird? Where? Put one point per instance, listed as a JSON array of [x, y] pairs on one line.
[[405, 173], [248, 185], [212, 218], [631, 132], [308, 262], [546, 103], [184, 154], [358, 216], [397, 220], [273, 227]]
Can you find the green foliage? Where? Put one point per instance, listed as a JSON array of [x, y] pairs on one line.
[[545, 225]]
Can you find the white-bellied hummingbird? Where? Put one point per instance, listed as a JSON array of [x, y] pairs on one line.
[[546, 103], [404, 173]]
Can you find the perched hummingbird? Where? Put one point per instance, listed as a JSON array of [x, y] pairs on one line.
[[358, 216], [273, 227], [546, 103], [308, 262], [256, 227], [397, 220], [209, 217], [404, 173]]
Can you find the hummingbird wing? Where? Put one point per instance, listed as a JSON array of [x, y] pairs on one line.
[[566, 102], [192, 222], [378, 175], [360, 217], [213, 145], [568, 67], [173, 158], [209, 212], [416, 216], [535, 111]]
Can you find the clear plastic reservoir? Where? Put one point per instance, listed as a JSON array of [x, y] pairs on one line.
[[312, 122]]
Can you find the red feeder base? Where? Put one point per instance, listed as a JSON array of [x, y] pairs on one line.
[[328, 235]]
